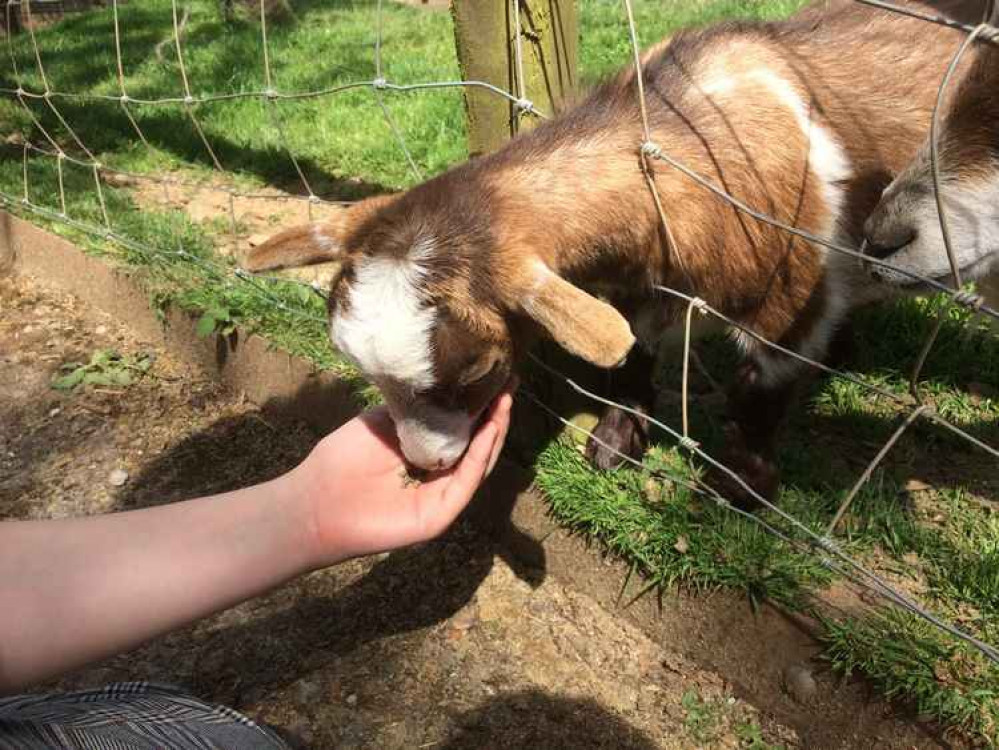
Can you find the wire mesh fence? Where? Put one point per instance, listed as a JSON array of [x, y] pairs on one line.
[[67, 150]]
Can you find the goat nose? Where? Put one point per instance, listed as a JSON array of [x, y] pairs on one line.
[[882, 246]]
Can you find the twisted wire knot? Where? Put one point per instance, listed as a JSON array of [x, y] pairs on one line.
[[699, 304], [988, 32], [651, 148], [689, 443]]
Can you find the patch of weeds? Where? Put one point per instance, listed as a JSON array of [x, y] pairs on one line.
[[702, 717], [105, 368]]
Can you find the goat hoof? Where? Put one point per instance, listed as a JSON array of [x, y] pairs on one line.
[[760, 474], [618, 434]]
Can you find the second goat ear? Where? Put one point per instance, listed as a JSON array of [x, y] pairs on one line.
[[579, 322], [320, 242]]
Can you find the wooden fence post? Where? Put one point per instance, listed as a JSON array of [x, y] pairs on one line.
[[485, 37]]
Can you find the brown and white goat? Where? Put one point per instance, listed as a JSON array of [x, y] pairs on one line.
[[905, 229], [444, 287]]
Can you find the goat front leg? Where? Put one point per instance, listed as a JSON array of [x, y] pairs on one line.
[[618, 431], [757, 411]]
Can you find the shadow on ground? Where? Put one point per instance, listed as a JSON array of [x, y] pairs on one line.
[[555, 724]]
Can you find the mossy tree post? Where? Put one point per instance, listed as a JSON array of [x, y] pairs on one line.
[[486, 38]]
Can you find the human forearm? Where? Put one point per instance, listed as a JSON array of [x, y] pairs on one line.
[[77, 590]]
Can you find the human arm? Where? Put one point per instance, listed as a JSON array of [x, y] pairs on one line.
[[73, 591]]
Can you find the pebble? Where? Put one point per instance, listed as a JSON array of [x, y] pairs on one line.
[[118, 477], [101, 330], [352, 699], [682, 545], [55, 411], [799, 683]]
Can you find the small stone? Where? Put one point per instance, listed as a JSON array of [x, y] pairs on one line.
[[799, 683], [55, 411], [118, 477], [682, 545], [101, 330], [352, 699], [917, 485]]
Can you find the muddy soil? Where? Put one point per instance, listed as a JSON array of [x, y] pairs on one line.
[[455, 644]]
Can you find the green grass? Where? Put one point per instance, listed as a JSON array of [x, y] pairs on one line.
[[331, 45], [943, 542], [939, 543]]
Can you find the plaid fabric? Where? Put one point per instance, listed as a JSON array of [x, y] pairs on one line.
[[127, 716]]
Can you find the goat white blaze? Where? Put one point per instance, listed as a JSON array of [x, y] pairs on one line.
[[386, 328], [829, 164]]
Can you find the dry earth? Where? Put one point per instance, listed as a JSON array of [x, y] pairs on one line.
[[439, 646]]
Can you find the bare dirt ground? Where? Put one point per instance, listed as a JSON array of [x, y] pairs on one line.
[[440, 646]]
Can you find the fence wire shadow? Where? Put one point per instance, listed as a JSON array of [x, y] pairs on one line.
[[270, 290]]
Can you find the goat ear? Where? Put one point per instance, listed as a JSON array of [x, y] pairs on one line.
[[298, 246], [579, 322], [313, 243]]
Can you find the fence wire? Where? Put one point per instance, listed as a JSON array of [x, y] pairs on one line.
[[787, 528]]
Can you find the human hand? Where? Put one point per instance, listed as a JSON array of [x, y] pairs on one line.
[[360, 503]]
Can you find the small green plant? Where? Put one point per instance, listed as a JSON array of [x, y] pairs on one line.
[[216, 319], [702, 716], [105, 368]]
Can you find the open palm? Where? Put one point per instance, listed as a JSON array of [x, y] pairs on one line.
[[361, 501]]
